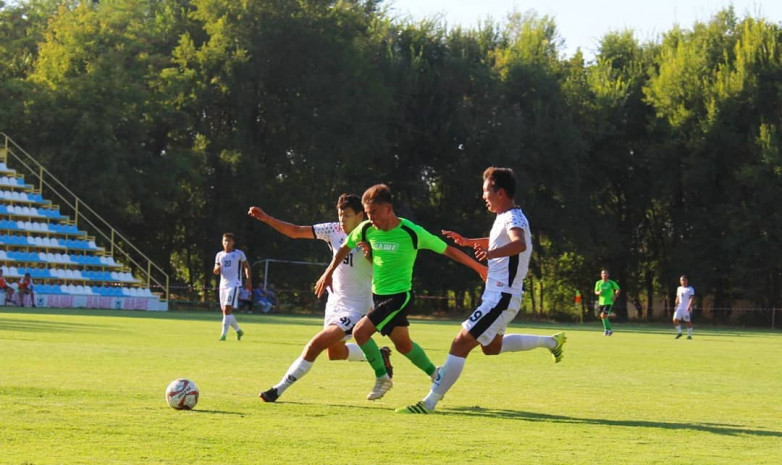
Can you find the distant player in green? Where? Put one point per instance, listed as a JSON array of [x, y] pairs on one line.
[[607, 291], [392, 243]]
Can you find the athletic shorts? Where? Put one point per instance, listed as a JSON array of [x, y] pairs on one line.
[[390, 311], [607, 309], [496, 311], [681, 314], [343, 317], [229, 296]]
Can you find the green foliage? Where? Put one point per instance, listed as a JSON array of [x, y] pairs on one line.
[[656, 159]]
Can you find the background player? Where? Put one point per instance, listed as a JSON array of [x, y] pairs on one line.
[[229, 264], [507, 249], [607, 291], [392, 243], [684, 298], [350, 297]]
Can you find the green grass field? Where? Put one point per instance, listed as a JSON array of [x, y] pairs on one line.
[[86, 387]]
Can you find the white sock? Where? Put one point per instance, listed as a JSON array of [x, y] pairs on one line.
[[518, 342], [232, 321], [678, 329], [355, 354], [225, 325], [296, 371], [689, 330], [449, 373]]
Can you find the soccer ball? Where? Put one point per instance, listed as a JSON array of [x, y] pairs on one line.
[[182, 394]]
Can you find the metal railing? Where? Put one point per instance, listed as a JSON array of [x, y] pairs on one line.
[[119, 246]]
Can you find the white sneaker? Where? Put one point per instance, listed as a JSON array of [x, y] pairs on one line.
[[382, 385]]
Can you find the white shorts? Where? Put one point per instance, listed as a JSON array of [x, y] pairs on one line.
[[343, 317], [229, 296], [496, 311], [682, 314]]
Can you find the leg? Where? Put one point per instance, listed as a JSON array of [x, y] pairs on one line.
[[400, 336], [329, 336], [677, 326]]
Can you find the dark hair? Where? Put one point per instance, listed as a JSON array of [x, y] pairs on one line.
[[501, 178], [230, 236], [351, 201], [379, 193]]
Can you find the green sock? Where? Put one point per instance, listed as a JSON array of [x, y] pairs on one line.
[[419, 359], [372, 352], [607, 324]]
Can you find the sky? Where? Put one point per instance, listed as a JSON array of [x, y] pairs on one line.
[[583, 23]]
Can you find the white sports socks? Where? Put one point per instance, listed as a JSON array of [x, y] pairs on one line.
[[518, 342], [297, 370], [355, 354]]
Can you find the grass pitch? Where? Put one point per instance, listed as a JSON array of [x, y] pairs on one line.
[[86, 387]]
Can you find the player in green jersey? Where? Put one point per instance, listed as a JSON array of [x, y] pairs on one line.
[[607, 291], [392, 243]]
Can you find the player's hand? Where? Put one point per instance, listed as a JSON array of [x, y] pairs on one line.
[[457, 238], [323, 283], [480, 253], [257, 213], [366, 248]]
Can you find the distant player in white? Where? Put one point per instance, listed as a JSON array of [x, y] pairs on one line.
[[507, 249], [229, 264], [350, 297], [684, 298]]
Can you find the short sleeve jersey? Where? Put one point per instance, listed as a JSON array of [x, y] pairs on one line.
[[607, 289], [394, 253], [352, 280], [230, 268], [685, 294], [506, 274]]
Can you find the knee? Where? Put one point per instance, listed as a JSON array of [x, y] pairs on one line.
[[491, 350]]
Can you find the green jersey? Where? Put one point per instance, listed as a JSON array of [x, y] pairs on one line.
[[394, 253], [606, 289]]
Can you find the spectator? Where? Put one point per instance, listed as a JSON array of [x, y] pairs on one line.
[[25, 289], [245, 300], [260, 298], [271, 294], [7, 289]]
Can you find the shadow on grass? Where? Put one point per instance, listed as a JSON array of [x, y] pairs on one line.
[[715, 428], [217, 412]]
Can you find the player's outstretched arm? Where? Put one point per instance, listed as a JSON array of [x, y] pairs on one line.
[[457, 255], [458, 239], [291, 230], [324, 281]]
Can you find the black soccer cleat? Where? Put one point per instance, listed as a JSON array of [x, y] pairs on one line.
[[270, 395], [386, 353]]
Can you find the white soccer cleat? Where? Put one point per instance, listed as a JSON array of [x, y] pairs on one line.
[[382, 385]]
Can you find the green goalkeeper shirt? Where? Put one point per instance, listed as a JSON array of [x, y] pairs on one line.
[[394, 253]]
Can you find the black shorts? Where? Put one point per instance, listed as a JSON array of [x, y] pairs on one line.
[[606, 309], [390, 311]]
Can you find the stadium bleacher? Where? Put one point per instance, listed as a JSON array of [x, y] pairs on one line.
[[68, 268]]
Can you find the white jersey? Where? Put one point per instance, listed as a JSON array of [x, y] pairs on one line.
[[684, 294], [506, 274], [230, 268], [351, 285]]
